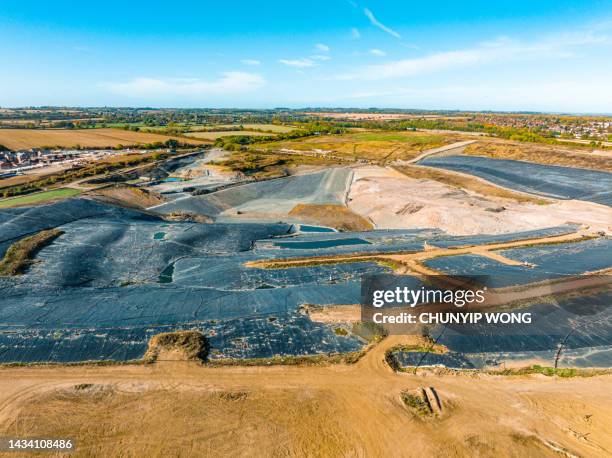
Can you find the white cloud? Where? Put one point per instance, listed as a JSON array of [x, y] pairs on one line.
[[355, 34], [297, 63], [501, 50], [375, 22], [322, 47], [320, 57], [250, 62], [230, 82], [377, 52]]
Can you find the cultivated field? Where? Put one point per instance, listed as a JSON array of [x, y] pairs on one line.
[[268, 127], [16, 139], [214, 135]]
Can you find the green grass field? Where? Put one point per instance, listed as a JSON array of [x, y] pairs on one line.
[[379, 146], [39, 197], [267, 127], [228, 133], [397, 137]]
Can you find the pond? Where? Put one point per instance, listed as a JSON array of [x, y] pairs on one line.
[[313, 245], [166, 275], [172, 180], [307, 228]]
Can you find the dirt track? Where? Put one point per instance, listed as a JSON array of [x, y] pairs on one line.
[[183, 409]]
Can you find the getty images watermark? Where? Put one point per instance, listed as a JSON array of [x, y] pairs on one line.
[[475, 304]]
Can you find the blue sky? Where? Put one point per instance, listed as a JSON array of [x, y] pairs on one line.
[[501, 55]]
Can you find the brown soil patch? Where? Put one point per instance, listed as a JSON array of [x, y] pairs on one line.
[[186, 216], [334, 314], [177, 346], [128, 196], [20, 255], [227, 133], [337, 216]]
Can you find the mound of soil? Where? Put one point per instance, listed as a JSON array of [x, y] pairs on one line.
[[331, 215], [128, 196], [20, 254], [177, 346], [187, 216]]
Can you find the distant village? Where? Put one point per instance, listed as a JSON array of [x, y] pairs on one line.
[[560, 127]]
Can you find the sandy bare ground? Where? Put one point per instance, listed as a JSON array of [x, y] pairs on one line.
[[392, 200], [331, 215], [348, 313], [184, 409]]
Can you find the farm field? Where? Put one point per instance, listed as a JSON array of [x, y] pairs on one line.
[[25, 178], [375, 146], [214, 135], [267, 127], [16, 139]]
